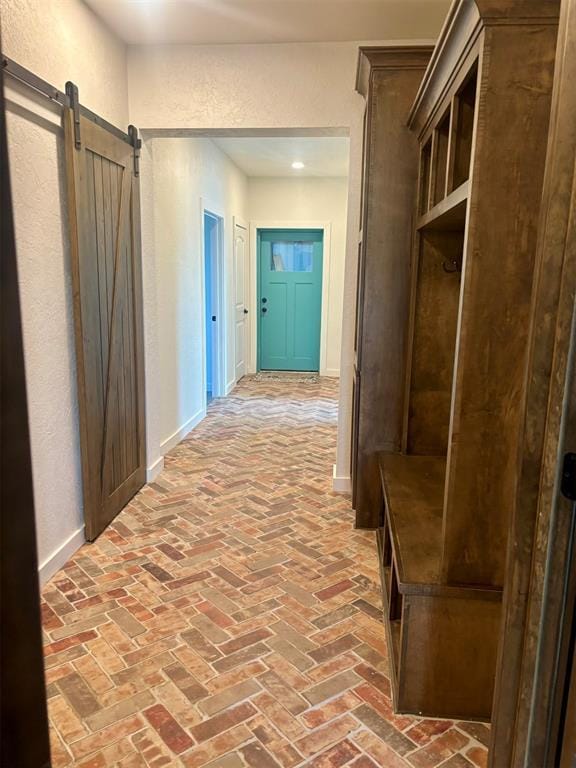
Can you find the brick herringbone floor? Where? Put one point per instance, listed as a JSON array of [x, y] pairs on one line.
[[230, 616]]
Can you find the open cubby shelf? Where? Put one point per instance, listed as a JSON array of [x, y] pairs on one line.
[[440, 142], [464, 109], [435, 320], [449, 213], [445, 156]]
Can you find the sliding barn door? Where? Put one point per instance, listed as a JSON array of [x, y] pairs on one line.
[[106, 268]]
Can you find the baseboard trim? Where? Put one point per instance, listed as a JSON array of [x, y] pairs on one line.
[[333, 373], [181, 433], [230, 386], [60, 556], [154, 470], [341, 483]]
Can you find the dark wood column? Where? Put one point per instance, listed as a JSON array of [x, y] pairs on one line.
[[24, 742]]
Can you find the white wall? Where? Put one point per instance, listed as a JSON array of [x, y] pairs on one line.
[[184, 173], [58, 44], [62, 41], [308, 199], [292, 85]]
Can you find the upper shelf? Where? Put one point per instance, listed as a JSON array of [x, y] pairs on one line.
[[445, 156], [449, 213]]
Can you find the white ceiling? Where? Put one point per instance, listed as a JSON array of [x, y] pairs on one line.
[[270, 21], [274, 156]]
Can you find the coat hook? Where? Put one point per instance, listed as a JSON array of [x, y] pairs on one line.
[[452, 265]]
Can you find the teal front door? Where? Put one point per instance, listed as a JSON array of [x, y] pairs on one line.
[[289, 299]]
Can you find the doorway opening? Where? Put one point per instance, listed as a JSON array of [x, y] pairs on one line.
[[214, 319]]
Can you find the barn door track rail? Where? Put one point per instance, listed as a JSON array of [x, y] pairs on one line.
[[71, 99]]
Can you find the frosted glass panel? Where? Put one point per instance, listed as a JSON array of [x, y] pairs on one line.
[[291, 257]]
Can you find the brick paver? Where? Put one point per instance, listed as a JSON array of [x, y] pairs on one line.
[[230, 616]]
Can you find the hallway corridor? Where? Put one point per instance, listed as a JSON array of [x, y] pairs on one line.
[[230, 616]]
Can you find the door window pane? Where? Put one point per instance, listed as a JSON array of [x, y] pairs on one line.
[[291, 257]]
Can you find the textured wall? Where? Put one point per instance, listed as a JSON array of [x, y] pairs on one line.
[[80, 48], [62, 41], [305, 85], [310, 199]]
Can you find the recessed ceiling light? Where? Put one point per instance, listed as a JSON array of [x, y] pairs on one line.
[[297, 165]]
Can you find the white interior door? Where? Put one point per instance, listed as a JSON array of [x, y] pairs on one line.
[[241, 298]]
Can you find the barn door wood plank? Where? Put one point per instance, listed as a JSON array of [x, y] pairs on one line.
[[114, 379], [107, 288]]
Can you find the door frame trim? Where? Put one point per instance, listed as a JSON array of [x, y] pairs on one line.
[[219, 384], [326, 228]]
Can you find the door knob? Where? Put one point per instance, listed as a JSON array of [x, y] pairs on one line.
[[264, 301], [264, 310], [213, 318], [245, 311]]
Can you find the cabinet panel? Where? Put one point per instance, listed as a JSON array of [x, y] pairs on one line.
[[389, 199]]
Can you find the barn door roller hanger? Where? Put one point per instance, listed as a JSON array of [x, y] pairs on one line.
[[71, 100]]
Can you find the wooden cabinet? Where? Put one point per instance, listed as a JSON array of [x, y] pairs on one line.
[[429, 622], [450, 439], [388, 78]]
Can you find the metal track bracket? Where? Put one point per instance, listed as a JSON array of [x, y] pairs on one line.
[[137, 145], [74, 99]]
